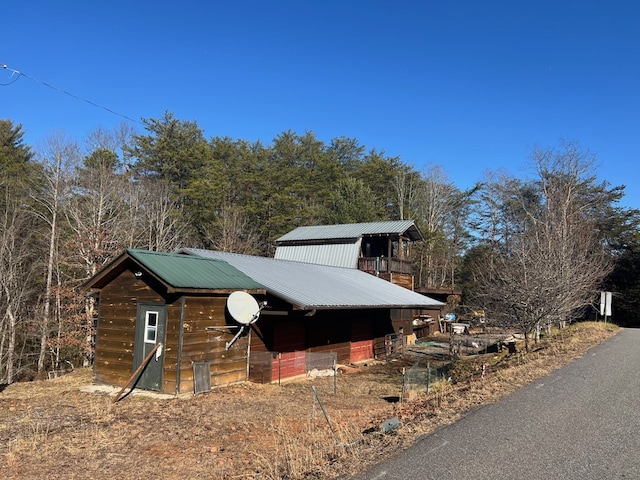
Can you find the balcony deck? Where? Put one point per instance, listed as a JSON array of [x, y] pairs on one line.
[[377, 265]]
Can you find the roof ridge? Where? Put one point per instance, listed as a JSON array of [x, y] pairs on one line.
[[171, 254], [355, 223], [270, 259]]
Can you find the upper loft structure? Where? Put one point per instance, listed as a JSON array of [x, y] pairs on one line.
[[380, 248]]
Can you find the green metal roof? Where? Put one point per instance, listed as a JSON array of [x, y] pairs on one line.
[[186, 271]]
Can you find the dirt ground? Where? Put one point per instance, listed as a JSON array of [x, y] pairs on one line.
[[318, 428]]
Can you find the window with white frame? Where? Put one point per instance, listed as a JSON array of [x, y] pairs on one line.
[[150, 327]]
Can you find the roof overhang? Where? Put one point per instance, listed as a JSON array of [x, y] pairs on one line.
[[126, 261]]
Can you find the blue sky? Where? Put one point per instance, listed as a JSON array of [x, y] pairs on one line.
[[468, 85]]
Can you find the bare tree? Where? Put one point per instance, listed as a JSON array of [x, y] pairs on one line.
[[441, 210], [406, 183], [542, 279], [118, 141], [548, 262], [569, 225], [93, 215], [59, 157], [233, 232], [94, 211], [19, 231], [16, 276], [160, 220]]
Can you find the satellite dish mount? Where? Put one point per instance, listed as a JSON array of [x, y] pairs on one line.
[[245, 310]]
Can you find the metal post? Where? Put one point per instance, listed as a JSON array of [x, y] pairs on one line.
[[326, 417], [180, 341]]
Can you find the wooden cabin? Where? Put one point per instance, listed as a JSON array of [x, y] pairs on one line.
[[146, 298], [315, 316]]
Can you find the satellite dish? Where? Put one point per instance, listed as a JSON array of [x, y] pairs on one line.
[[243, 308]]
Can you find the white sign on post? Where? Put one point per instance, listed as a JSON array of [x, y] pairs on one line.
[[605, 304]]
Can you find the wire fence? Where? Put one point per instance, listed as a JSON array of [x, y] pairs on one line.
[[321, 363], [393, 346], [420, 377], [273, 367]]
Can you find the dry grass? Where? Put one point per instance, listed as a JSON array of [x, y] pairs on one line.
[[52, 430]]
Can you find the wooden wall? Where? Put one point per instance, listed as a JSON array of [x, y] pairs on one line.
[[116, 327], [208, 344], [401, 279], [330, 331], [362, 339], [279, 344], [116, 333]]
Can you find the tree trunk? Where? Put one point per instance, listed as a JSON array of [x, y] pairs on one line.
[[11, 347]]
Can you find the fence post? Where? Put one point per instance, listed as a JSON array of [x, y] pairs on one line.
[[279, 367], [326, 417]]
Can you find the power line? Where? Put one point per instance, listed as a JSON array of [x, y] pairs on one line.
[[19, 74]]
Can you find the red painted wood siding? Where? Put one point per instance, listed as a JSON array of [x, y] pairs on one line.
[[289, 364], [361, 351], [361, 340]]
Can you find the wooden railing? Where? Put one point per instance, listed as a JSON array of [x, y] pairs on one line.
[[384, 265]]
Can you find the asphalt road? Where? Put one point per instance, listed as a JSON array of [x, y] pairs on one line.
[[582, 422]]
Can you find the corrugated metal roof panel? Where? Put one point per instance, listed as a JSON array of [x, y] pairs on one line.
[[310, 286], [336, 255], [352, 230], [182, 271]]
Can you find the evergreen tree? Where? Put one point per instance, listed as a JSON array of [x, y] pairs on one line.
[[174, 151]]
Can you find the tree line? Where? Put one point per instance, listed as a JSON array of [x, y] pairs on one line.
[[530, 251]]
